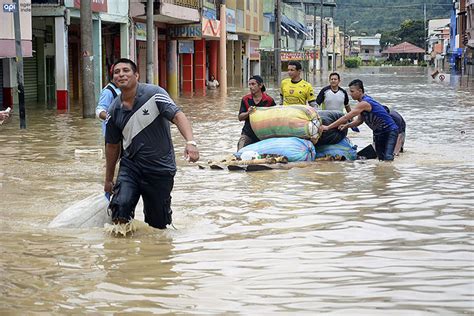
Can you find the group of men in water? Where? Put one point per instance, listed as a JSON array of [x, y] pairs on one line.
[[387, 125], [137, 121]]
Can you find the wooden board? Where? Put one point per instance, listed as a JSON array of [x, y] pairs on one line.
[[259, 165]]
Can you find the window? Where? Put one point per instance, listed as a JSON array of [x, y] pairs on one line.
[[366, 51]]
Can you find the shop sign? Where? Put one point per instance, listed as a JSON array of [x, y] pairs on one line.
[[232, 37], [287, 56], [230, 20], [140, 31], [209, 14], [254, 53], [96, 5], [186, 47], [185, 31], [211, 28]]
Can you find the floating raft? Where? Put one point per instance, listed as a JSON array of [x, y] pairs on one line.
[[268, 163]]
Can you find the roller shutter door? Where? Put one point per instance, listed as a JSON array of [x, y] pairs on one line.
[[30, 73]]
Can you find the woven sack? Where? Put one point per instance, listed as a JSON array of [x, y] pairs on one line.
[[286, 121]]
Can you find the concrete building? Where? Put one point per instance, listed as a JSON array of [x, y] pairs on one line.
[[188, 34], [294, 34], [438, 39], [8, 81], [469, 37], [243, 54], [179, 45], [53, 73], [367, 47]]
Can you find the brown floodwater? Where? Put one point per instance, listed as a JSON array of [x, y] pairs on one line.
[[360, 238]]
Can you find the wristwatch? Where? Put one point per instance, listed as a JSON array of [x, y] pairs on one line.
[[191, 142]]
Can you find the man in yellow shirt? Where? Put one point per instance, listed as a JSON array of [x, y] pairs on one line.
[[295, 90]]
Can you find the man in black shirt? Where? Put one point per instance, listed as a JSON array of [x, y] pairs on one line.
[[140, 119]]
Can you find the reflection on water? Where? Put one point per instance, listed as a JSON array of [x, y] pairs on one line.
[[359, 237]]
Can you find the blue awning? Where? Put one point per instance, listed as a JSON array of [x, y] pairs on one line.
[[289, 25]]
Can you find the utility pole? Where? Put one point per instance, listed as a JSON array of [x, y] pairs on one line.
[[223, 49], [88, 98], [149, 41], [424, 27], [333, 41], [19, 64], [277, 42], [314, 40], [321, 63], [344, 45]]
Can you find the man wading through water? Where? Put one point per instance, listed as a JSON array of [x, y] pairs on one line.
[[372, 113], [140, 118]]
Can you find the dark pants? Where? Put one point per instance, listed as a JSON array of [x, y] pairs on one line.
[[244, 140], [155, 190], [385, 144]]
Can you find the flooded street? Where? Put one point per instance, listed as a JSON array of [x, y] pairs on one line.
[[359, 238]]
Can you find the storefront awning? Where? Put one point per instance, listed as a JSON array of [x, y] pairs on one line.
[[289, 25]]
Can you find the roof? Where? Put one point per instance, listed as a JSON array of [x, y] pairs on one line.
[[437, 23], [404, 48]]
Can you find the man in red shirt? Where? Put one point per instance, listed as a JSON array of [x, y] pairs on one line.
[[256, 98]]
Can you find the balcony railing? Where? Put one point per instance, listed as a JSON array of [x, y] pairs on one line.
[[193, 4]]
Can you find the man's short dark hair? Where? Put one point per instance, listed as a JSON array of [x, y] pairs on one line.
[[335, 74], [259, 81], [126, 61], [295, 63], [357, 83]]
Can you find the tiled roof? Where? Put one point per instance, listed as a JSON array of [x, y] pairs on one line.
[[403, 48]]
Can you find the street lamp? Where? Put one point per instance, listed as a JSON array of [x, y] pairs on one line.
[[353, 23]]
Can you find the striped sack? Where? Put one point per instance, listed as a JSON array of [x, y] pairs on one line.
[[286, 121], [294, 148]]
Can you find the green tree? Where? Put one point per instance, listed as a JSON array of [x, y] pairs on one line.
[[389, 38], [409, 31], [413, 32]]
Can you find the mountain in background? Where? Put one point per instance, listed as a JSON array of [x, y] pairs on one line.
[[376, 16]]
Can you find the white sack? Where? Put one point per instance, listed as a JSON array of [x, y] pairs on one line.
[[89, 212]]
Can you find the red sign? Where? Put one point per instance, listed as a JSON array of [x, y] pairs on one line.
[[254, 53], [97, 5]]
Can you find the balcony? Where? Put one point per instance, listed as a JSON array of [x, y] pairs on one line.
[[193, 4], [177, 11], [169, 11]]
